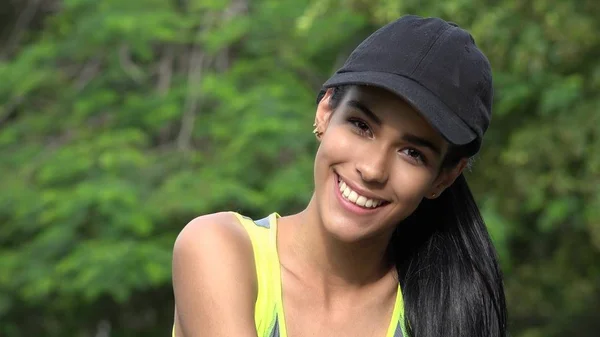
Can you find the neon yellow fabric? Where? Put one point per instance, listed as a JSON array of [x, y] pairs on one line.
[[268, 306]]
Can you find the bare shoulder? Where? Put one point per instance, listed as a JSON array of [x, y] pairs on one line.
[[214, 278], [211, 242], [214, 231]]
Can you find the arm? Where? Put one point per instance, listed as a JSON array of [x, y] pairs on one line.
[[214, 279]]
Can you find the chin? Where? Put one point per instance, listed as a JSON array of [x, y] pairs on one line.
[[348, 231]]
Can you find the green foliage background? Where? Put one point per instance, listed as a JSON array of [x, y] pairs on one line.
[[122, 120]]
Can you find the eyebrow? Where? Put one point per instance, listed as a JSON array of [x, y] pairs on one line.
[[358, 105], [414, 139], [421, 142]]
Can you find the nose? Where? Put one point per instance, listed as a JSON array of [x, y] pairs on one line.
[[372, 166]]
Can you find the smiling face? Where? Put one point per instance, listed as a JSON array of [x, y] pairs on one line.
[[377, 160]]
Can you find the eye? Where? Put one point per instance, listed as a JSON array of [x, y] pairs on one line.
[[361, 127], [414, 155]]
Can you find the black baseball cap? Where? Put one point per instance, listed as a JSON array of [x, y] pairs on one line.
[[435, 66]]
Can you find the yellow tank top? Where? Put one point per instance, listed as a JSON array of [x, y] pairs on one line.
[[269, 316]]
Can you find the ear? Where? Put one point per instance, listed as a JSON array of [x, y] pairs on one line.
[[324, 111], [446, 178]]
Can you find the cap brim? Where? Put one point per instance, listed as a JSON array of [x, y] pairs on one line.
[[422, 99]]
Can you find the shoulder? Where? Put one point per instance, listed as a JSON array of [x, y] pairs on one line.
[[214, 276], [211, 231], [210, 236]]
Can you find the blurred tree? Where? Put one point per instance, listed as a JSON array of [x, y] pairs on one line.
[[122, 120]]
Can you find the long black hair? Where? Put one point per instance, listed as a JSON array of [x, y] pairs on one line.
[[447, 265]]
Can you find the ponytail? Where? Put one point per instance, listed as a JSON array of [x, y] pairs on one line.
[[448, 269]]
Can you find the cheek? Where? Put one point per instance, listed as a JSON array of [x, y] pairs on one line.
[[411, 184], [335, 147]]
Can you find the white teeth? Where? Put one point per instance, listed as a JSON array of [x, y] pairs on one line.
[[355, 198], [346, 192]]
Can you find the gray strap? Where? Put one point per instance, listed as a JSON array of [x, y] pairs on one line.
[[264, 222], [398, 332], [275, 331]]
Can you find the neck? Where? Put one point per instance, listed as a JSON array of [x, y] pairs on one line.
[[334, 262]]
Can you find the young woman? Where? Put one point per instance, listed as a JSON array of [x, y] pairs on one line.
[[391, 242]]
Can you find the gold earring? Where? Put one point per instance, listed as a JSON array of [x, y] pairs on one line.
[[316, 131], [433, 195]]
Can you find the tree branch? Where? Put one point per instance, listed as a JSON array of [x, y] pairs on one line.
[[103, 329], [128, 66], [88, 73], [21, 25], [196, 60], [235, 9], [165, 72], [7, 110], [196, 63]]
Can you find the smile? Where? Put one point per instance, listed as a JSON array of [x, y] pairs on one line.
[[355, 198]]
